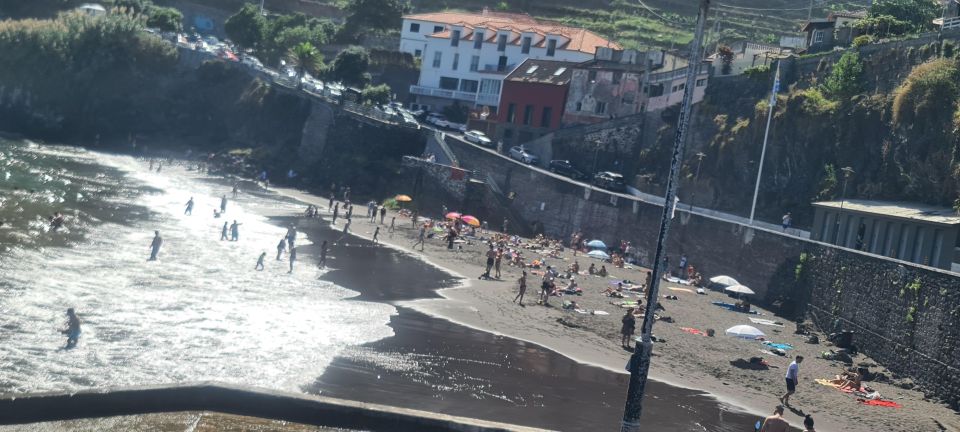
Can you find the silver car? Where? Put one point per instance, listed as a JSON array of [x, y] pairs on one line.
[[521, 154], [478, 137]]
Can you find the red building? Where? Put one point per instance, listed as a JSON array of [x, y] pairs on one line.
[[532, 100]]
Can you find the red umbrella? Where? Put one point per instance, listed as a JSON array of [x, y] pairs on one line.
[[453, 215], [470, 220]]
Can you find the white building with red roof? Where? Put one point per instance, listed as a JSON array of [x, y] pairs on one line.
[[466, 56]]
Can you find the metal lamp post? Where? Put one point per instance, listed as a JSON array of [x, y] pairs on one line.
[[639, 365], [847, 172], [696, 177]]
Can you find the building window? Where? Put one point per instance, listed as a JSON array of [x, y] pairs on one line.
[[701, 82], [617, 76], [629, 98], [490, 86], [417, 53], [525, 47], [502, 43], [448, 83], [456, 61], [414, 27], [656, 90], [477, 40], [436, 59], [678, 87], [551, 47], [469, 86], [547, 114], [502, 64], [437, 29], [817, 36], [600, 108], [474, 63], [579, 106], [592, 76], [527, 115], [511, 113], [455, 38]]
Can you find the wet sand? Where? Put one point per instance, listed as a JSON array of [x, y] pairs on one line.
[[433, 364]]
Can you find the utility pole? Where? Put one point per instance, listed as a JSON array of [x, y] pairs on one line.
[[810, 11], [639, 365], [847, 173], [766, 135]]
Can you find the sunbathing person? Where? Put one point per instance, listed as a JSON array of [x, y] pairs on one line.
[[593, 269], [603, 271]]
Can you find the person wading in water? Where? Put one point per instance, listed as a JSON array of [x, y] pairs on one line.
[[72, 329]]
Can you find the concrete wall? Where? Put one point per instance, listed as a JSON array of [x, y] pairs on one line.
[[315, 410]]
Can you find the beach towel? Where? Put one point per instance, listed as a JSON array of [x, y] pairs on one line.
[[626, 303], [785, 347], [880, 403], [687, 290], [599, 312], [677, 280], [730, 306], [765, 322], [693, 331]]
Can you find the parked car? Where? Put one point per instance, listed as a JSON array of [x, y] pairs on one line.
[[565, 168], [610, 181], [521, 154], [478, 137], [438, 120], [409, 120]]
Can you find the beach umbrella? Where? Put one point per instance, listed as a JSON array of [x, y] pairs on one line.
[[745, 332], [597, 244], [739, 289], [403, 198], [724, 280], [470, 220], [599, 254], [453, 215]]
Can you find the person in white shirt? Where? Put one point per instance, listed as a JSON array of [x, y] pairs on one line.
[[792, 377]]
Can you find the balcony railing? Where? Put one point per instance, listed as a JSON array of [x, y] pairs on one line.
[[948, 23], [448, 94]]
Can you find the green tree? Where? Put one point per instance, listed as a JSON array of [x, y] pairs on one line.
[[845, 78], [919, 14], [375, 14], [305, 58], [350, 66], [379, 94], [132, 7], [246, 27], [165, 18]]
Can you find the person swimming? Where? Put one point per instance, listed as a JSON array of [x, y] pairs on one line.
[[72, 329]]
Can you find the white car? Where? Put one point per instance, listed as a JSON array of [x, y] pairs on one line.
[[438, 120], [478, 137]]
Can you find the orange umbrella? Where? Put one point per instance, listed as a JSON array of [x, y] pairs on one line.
[[453, 215], [403, 198], [470, 220]]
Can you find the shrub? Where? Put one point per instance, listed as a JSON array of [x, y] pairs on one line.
[[860, 41], [844, 80]]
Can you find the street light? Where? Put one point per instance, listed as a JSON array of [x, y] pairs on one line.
[[847, 173], [696, 177]]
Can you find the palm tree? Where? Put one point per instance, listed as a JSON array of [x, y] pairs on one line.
[[306, 58]]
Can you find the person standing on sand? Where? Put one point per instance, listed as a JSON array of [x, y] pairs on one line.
[[235, 231], [259, 266], [792, 378], [393, 222], [414, 219], [383, 213], [236, 190], [282, 246], [376, 234], [223, 233], [627, 327], [523, 287], [155, 246], [775, 423], [491, 257], [546, 285], [323, 255], [223, 204], [350, 212], [336, 211], [421, 237], [189, 210], [497, 260], [292, 258], [330, 203]]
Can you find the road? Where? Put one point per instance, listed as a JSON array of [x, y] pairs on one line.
[[636, 195]]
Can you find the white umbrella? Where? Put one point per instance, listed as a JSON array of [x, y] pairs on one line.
[[745, 332], [739, 289], [599, 254], [724, 280]]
